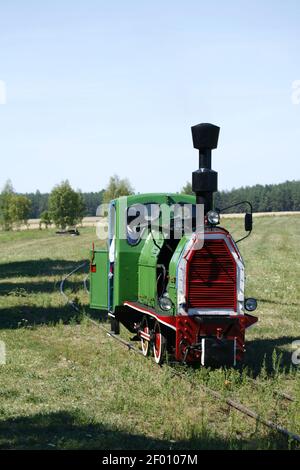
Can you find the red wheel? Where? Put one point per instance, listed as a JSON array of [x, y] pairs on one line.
[[159, 344], [144, 343]]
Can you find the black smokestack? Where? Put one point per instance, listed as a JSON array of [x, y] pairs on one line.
[[205, 180]]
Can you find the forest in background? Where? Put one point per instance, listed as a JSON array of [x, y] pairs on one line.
[[39, 203], [264, 198]]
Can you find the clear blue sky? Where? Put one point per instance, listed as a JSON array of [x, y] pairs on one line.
[[102, 87]]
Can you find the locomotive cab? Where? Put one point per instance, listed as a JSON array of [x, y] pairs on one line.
[[171, 275]]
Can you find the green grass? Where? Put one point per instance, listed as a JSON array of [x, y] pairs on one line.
[[66, 385]]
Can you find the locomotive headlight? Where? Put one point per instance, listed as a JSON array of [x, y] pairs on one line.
[[213, 217], [165, 302], [250, 304]]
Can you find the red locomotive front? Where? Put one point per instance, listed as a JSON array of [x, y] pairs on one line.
[[211, 320]]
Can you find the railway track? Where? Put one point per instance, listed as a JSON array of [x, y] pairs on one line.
[[209, 391]]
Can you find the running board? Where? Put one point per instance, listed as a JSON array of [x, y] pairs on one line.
[[169, 321]]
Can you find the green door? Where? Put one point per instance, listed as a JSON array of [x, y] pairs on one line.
[[99, 280]]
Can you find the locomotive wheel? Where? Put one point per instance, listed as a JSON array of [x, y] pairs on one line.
[[159, 344], [115, 326], [145, 344]]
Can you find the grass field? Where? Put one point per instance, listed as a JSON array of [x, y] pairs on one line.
[[66, 385]]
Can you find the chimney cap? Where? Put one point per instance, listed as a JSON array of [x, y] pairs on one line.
[[205, 136]]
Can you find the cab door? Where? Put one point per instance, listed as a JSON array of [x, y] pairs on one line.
[[99, 280]]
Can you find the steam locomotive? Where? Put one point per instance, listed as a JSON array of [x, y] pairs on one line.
[[172, 275]]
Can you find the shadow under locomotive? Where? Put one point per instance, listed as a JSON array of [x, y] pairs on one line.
[[260, 354]]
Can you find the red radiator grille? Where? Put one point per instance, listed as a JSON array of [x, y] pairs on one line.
[[212, 277]]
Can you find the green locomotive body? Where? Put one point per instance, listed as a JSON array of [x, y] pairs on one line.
[[178, 294]]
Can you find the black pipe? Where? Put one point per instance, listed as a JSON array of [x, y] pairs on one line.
[[205, 198], [205, 180], [205, 158]]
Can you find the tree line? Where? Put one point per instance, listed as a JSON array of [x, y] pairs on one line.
[[264, 198], [63, 207], [116, 187], [40, 201], [66, 207]]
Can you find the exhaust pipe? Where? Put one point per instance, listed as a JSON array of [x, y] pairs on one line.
[[205, 180]]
